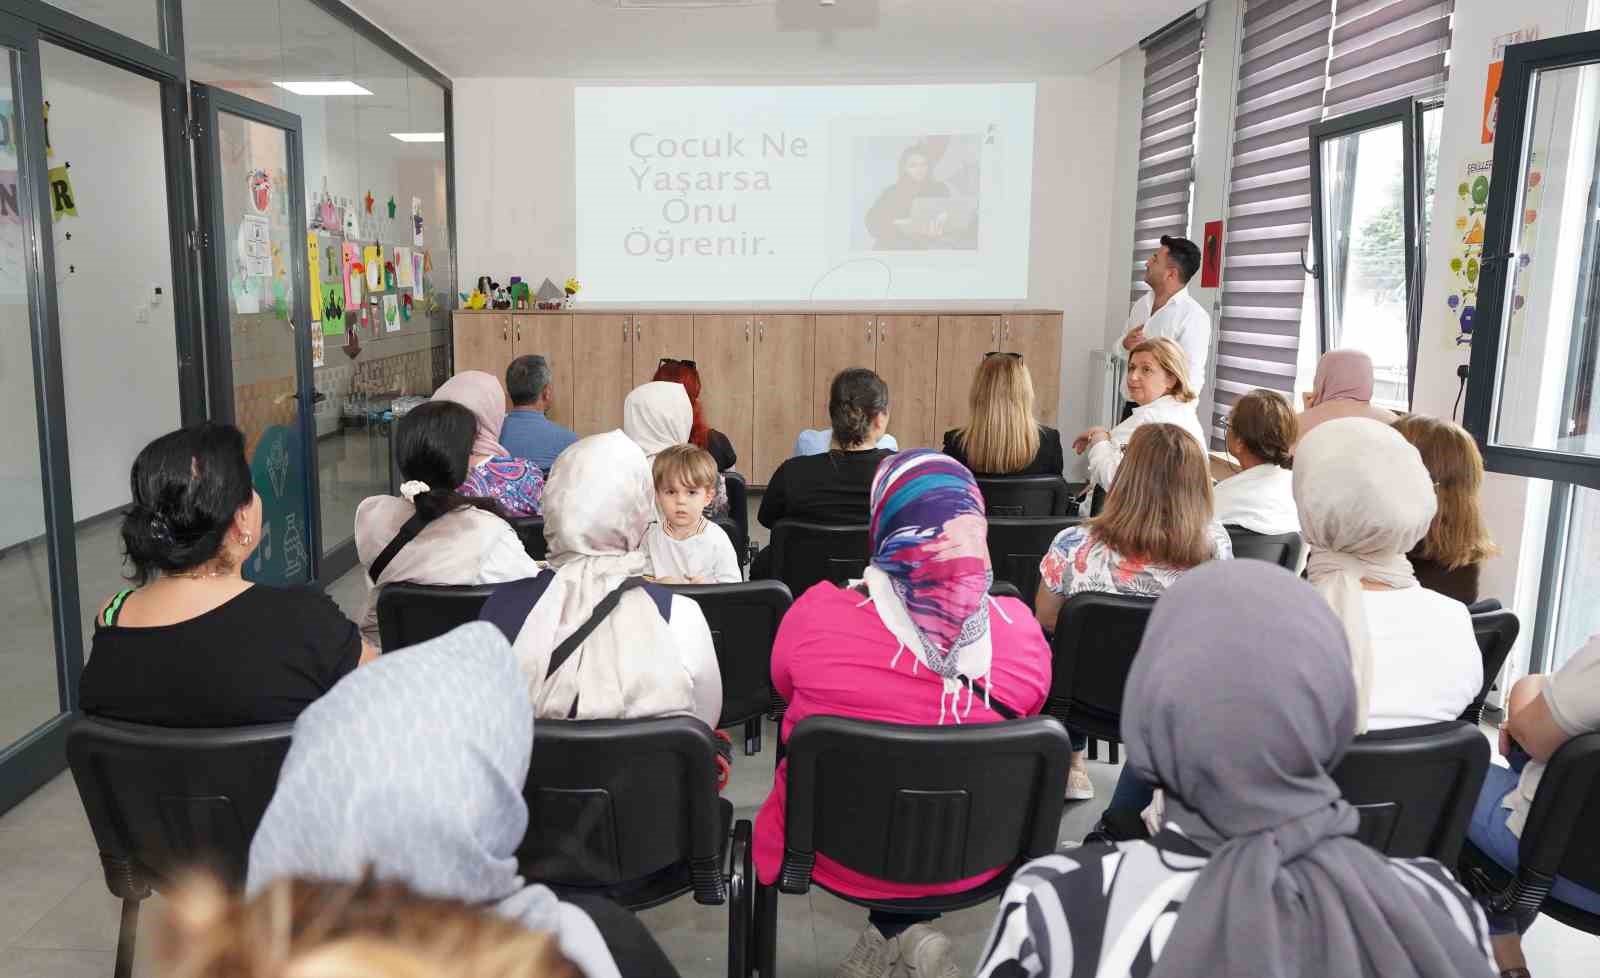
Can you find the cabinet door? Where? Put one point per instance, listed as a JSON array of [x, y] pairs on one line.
[[1038, 339], [724, 353], [657, 336], [842, 341], [963, 340], [908, 362], [550, 336], [602, 362], [482, 342], [785, 371]]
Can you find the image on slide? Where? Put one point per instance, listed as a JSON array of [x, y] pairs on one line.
[[916, 191]]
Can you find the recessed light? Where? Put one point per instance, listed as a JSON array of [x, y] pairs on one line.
[[322, 87], [419, 137]]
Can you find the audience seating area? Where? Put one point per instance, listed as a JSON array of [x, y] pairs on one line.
[[1095, 639], [1415, 787]]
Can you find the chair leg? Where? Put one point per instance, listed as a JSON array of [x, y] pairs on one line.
[[752, 737], [126, 935], [766, 931], [741, 915], [1094, 749], [1111, 750]]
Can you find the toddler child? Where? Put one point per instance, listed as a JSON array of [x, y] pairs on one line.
[[684, 546]]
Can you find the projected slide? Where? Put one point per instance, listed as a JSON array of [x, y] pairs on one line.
[[801, 193]]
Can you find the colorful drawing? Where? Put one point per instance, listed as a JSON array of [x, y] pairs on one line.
[[260, 190], [1472, 199]]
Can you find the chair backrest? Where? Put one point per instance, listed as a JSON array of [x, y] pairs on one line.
[[804, 554], [1016, 546], [1415, 787], [1004, 589], [530, 530], [1559, 838], [744, 621], [1015, 496], [739, 514], [1092, 652], [921, 804], [412, 613], [1283, 549], [164, 799], [1496, 632], [610, 801]]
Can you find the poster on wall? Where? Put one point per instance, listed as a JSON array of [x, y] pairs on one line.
[[317, 357], [332, 302], [1491, 84], [314, 263], [255, 246], [403, 269], [1472, 200], [1211, 256], [391, 313], [417, 259], [353, 272], [416, 221], [372, 257]]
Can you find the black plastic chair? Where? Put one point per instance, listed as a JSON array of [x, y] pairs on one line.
[[1016, 496], [915, 804], [1004, 589], [1092, 651], [1283, 549], [1557, 840], [1016, 546], [1415, 787], [738, 515], [744, 621], [628, 810], [1496, 632], [165, 799], [409, 614], [530, 530], [804, 554]]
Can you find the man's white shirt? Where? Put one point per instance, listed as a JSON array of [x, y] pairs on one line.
[[1182, 320]]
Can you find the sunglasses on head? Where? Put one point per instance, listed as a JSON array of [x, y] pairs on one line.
[[666, 360], [1002, 353]]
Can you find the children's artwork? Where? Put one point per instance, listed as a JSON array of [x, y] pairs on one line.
[[391, 208], [404, 273], [246, 296], [1472, 201], [417, 259], [391, 313], [317, 358], [331, 299], [260, 186], [370, 202], [62, 201], [390, 277], [372, 257], [352, 276], [416, 221], [314, 263], [405, 308], [255, 246], [351, 219]]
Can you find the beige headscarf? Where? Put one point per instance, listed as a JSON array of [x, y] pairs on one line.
[[1365, 499], [596, 510], [657, 415], [481, 394]]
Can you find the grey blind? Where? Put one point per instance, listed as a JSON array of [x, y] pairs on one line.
[[1384, 50], [1283, 60], [1166, 142]]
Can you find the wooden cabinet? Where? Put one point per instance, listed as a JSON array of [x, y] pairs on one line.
[[483, 342], [908, 362], [785, 371], [1038, 339], [548, 336], [656, 336], [602, 357], [842, 341], [963, 340], [724, 353]]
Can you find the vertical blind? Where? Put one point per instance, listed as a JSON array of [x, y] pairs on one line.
[[1301, 61], [1166, 141]]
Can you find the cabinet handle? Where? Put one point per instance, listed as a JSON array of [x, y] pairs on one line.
[[994, 335], [747, 330], [519, 332], [1005, 333], [505, 330], [761, 330], [624, 329], [638, 330], [869, 330], [881, 331]]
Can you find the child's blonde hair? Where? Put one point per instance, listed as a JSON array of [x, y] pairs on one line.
[[685, 465]]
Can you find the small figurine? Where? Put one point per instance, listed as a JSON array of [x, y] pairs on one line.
[[475, 300], [502, 297], [549, 295], [521, 298]]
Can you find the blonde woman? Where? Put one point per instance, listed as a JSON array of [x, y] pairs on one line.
[[1449, 558], [1158, 382], [1002, 438]]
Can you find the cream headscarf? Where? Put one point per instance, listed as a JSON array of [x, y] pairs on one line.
[[1342, 388], [657, 415], [481, 394], [597, 506], [1365, 499]]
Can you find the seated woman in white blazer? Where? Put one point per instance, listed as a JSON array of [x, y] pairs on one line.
[[1158, 382]]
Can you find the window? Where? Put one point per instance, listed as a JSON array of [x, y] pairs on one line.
[[1166, 139]]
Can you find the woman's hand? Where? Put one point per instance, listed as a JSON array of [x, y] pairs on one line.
[[1083, 442]]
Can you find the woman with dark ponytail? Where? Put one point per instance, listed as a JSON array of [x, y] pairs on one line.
[[195, 644], [433, 534]]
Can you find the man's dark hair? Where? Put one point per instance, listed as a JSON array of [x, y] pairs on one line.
[[1184, 253], [526, 379]]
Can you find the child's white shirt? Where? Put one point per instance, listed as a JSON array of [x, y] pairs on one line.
[[707, 556]]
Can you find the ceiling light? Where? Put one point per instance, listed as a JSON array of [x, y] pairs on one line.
[[322, 87], [419, 137]]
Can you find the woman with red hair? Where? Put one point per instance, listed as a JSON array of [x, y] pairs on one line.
[[700, 435]]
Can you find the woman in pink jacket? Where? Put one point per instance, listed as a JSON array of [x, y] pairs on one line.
[[909, 644]]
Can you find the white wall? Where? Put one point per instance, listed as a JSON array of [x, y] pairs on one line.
[[516, 215]]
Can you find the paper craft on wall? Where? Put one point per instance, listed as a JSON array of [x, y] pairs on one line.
[[255, 246], [351, 221], [391, 313], [416, 221], [332, 302], [260, 190], [62, 201], [405, 308], [404, 273], [372, 257], [352, 276], [391, 208], [370, 202], [417, 259], [317, 358], [390, 279], [314, 263], [246, 298]]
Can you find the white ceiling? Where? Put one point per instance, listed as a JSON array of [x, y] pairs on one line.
[[781, 39]]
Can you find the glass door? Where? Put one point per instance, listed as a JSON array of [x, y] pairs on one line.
[[254, 249]]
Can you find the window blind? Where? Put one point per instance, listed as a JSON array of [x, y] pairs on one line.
[[1166, 141], [1384, 50], [1283, 60]]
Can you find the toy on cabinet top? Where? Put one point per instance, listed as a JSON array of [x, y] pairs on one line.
[[486, 285], [521, 297], [549, 295], [502, 297], [476, 299]]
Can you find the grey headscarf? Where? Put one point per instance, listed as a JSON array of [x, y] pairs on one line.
[[413, 766], [1239, 709]]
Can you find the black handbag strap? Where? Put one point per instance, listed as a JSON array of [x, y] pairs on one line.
[[979, 689], [607, 604], [407, 533]]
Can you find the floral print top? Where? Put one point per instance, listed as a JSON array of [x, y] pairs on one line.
[[515, 483], [1079, 562]]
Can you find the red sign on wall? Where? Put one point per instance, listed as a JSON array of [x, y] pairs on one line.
[[1211, 256]]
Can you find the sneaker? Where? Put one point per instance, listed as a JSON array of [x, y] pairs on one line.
[[874, 956], [1079, 787], [926, 953]]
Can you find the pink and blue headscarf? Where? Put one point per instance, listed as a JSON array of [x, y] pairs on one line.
[[929, 576]]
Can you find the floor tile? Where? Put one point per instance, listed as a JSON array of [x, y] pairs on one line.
[[87, 919], [35, 963]]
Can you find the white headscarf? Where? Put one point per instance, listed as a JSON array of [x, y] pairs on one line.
[[597, 506], [657, 415], [1365, 499]]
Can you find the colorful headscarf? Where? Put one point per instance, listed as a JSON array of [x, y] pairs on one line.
[[930, 573]]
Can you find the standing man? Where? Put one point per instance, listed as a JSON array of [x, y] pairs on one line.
[[1168, 310], [527, 433]]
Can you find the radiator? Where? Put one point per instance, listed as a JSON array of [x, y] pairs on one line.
[[1106, 374]]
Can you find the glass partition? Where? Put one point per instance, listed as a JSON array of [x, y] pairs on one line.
[[138, 19]]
